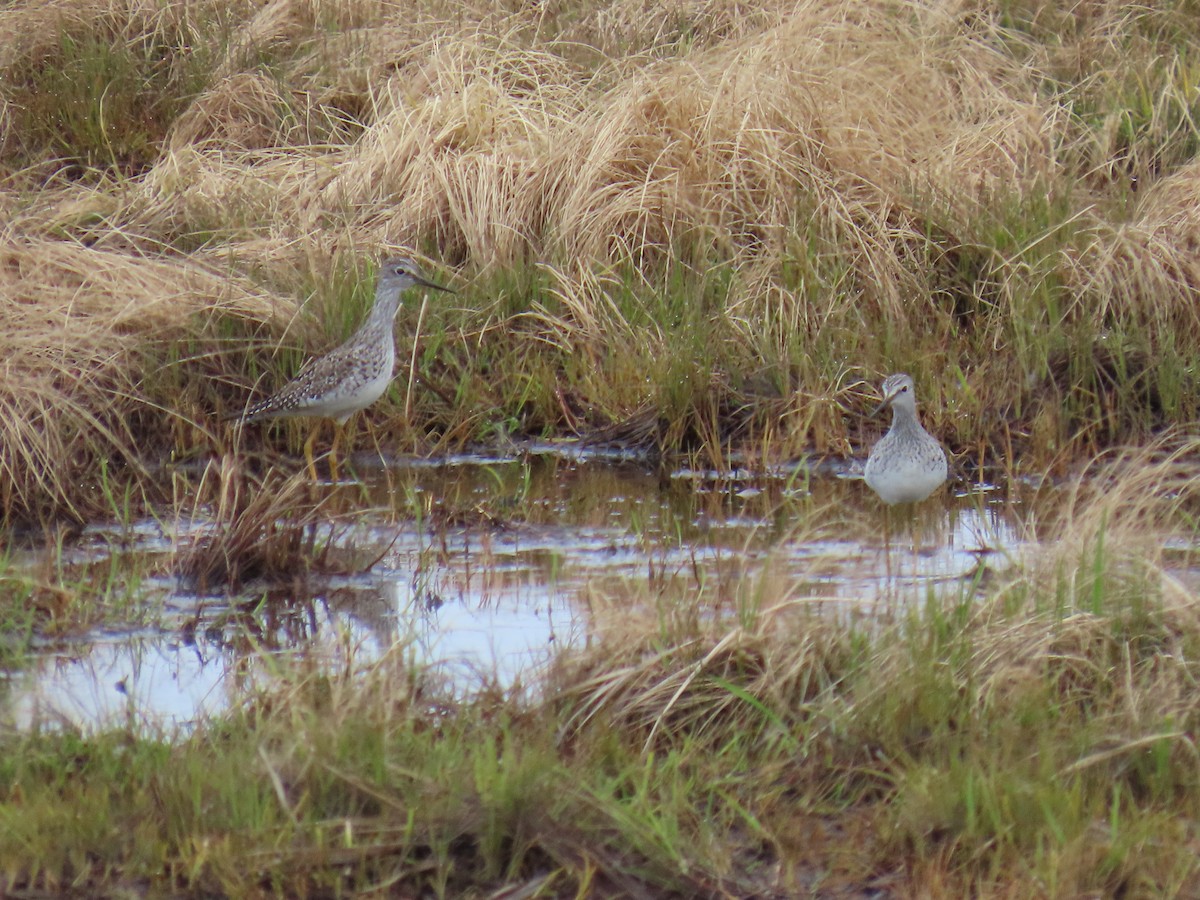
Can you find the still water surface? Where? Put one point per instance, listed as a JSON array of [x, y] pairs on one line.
[[485, 567]]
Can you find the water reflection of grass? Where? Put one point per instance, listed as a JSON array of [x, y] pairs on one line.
[[1037, 734], [64, 592]]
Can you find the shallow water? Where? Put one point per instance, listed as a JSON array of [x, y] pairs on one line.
[[485, 567]]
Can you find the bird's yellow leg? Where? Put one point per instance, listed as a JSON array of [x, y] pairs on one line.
[[308, 450], [333, 463]]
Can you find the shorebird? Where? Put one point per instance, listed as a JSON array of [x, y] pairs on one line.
[[352, 376], [908, 463]]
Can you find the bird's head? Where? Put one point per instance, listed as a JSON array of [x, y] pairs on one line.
[[401, 273]]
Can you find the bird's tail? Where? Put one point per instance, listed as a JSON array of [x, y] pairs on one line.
[[244, 416]]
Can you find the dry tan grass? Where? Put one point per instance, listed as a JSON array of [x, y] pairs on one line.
[[502, 152], [33, 30], [263, 527], [1150, 265], [78, 380], [1122, 504]]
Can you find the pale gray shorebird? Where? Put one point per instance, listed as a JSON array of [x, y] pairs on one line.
[[352, 376], [908, 464]]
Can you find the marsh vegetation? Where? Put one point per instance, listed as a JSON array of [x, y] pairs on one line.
[[698, 232]]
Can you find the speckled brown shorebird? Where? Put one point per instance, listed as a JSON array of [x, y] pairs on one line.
[[908, 464], [352, 376]]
